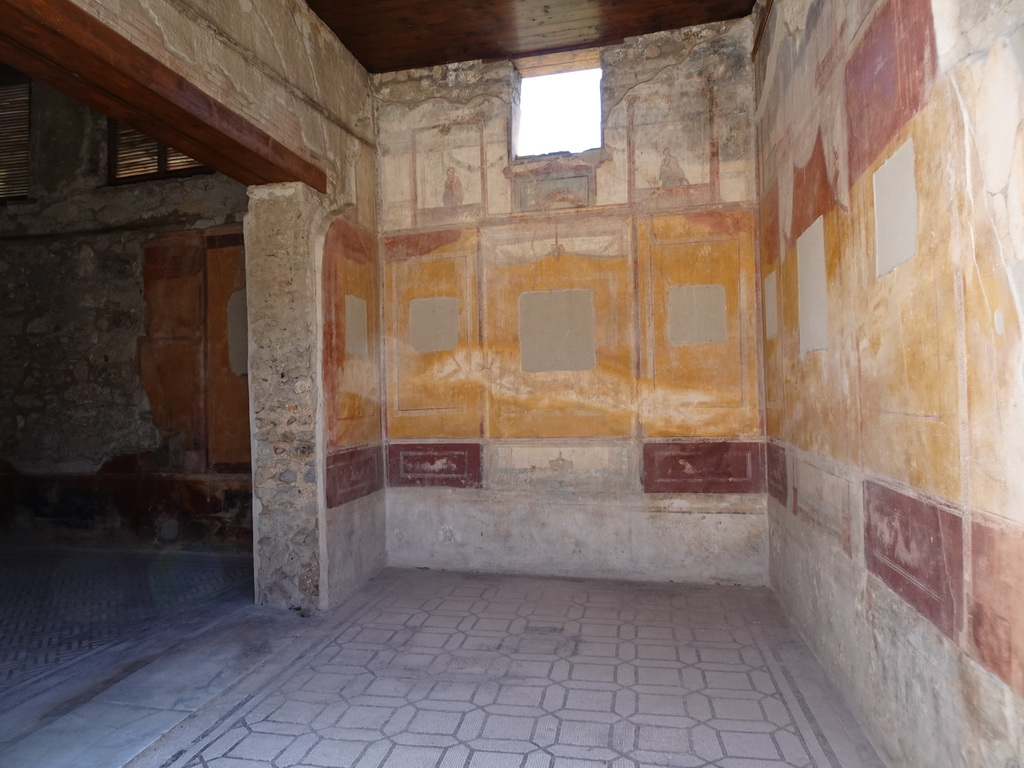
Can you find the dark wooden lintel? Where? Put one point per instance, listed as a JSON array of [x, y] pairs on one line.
[[58, 43]]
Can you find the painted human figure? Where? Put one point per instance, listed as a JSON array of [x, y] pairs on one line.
[[671, 172], [452, 189]]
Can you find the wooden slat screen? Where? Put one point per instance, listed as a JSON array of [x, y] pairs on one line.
[[14, 139], [136, 157], [137, 154], [179, 161]]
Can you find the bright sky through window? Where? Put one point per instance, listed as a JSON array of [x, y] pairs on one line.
[[560, 113]]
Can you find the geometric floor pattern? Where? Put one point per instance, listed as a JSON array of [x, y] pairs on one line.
[[444, 670], [59, 604]]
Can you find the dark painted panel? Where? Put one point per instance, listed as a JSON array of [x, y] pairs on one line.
[[719, 467], [353, 473], [173, 286], [172, 375], [778, 477], [228, 240], [454, 465], [916, 548], [997, 597]]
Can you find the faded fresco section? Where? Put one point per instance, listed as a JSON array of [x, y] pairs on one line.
[[122, 418], [351, 364], [351, 336], [549, 321], [895, 126]]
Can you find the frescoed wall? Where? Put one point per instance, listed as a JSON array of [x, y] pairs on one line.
[[351, 364], [571, 340], [890, 141]]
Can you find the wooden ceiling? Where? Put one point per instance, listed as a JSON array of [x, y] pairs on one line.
[[390, 35]]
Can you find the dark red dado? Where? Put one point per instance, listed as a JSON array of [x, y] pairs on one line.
[[353, 473], [712, 467], [451, 465], [997, 589], [917, 549], [778, 474]]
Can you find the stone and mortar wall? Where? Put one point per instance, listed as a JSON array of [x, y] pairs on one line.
[[623, 439], [891, 157], [84, 453]]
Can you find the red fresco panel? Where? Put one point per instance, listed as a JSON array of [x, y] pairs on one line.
[[455, 465], [173, 286], [400, 247], [887, 78], [997, 601], [349, 241], [354, 473], [711, 467], [812, 192], [916, 548], [769, 226], [778, 479]]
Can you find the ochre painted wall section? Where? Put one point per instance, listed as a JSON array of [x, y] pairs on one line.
[[699, 389], [435, 390], [555, 257], [351, 355]]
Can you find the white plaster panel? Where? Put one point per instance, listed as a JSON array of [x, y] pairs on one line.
[[434, 324], [771, 306], [556, 331], [895, 210], [356, 340], [813, 288], [697, 314]]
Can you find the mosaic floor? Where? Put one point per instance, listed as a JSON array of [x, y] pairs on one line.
[[59, 604], [469, 671]]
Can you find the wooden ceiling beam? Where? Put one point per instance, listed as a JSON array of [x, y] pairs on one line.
[[58, 43], [388, 35]]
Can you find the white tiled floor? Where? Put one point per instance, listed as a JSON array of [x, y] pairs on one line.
[[442, 670]]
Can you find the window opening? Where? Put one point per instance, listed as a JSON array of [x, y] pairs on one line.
[[134, 156], [15, 103], [559, 113]]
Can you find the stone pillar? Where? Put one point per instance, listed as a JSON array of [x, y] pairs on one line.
[[283, 274]]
